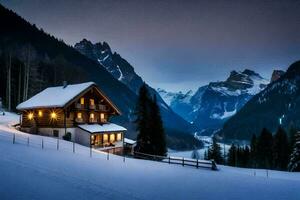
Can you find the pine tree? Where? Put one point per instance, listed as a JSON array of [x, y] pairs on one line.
[[214, 151], [231, 161], [264, 149], [294, 164], [280, 150], [151, 137], [246, 156], [157, 137], [142, 119], [253, 151]]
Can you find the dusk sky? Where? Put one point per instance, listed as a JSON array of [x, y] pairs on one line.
[[178, 45]]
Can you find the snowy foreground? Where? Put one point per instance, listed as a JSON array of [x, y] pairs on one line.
[[30, 172]]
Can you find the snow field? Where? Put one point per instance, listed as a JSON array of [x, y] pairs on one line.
[[30, 172]]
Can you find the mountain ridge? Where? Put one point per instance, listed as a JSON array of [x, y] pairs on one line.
[[277, 105], [211, 105]]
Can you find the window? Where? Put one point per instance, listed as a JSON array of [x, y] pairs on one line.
[[105, 138], [111, 138], [40, 113], [102, 117], [92, 116], [55, 133], [119, 137], [92, 102], [82, 101], [79, 115], [92, 139]]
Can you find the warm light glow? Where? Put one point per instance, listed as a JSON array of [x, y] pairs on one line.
[[92, 137], [119, 137], [105, 138], [79, 115], [40, 113], [92, 116], [82, 101], [102, 116], [111, 138], [53, 115], [92, 102], [30, 116]]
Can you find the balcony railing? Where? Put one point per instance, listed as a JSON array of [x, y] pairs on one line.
[[102, 107], [79, 106], [93, 120], [92, 107]]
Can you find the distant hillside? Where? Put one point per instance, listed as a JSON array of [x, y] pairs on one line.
[[46, 61], [281, 99]]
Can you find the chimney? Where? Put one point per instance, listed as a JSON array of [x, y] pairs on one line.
[[65, 84]]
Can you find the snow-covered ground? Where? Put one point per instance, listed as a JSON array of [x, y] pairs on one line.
[[30, 172]]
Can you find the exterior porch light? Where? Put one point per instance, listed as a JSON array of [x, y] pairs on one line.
[[53, 115], [30, 116], [40, 113]]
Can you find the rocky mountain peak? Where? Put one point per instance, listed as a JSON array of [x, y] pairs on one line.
[[276, 75]]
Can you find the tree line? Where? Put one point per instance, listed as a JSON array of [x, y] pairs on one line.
[[280, 151], [24, 72]]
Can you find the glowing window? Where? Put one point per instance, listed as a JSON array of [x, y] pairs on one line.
[[79, 115], [92, 116], [40, 113], [30, 116], [111, 137], [105, 138], [102, 116], [119, 137], [82, 101], [92, 102]]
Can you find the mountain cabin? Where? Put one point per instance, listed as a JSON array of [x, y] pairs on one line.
[[81, 111]]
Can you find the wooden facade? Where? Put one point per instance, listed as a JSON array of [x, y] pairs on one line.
[[90, 106]]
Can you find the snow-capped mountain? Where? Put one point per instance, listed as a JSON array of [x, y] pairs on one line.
[[211, 105], [277, 105], [179, 101]]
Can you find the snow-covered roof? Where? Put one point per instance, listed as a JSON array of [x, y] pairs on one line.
[[54, 96], [129, 141], [96, 128]]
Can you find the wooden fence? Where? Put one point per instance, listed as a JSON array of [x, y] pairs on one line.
[[52, 143], [211, 164]]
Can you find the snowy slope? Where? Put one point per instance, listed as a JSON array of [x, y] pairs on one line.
[[35, 173]]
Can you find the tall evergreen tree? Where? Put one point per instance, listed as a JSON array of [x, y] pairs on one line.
[[214, 151], [231, 161], [264, 149], [151, 136], [280, 150], [142, 120], [157, 137], [245, 157], [294, 164]]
